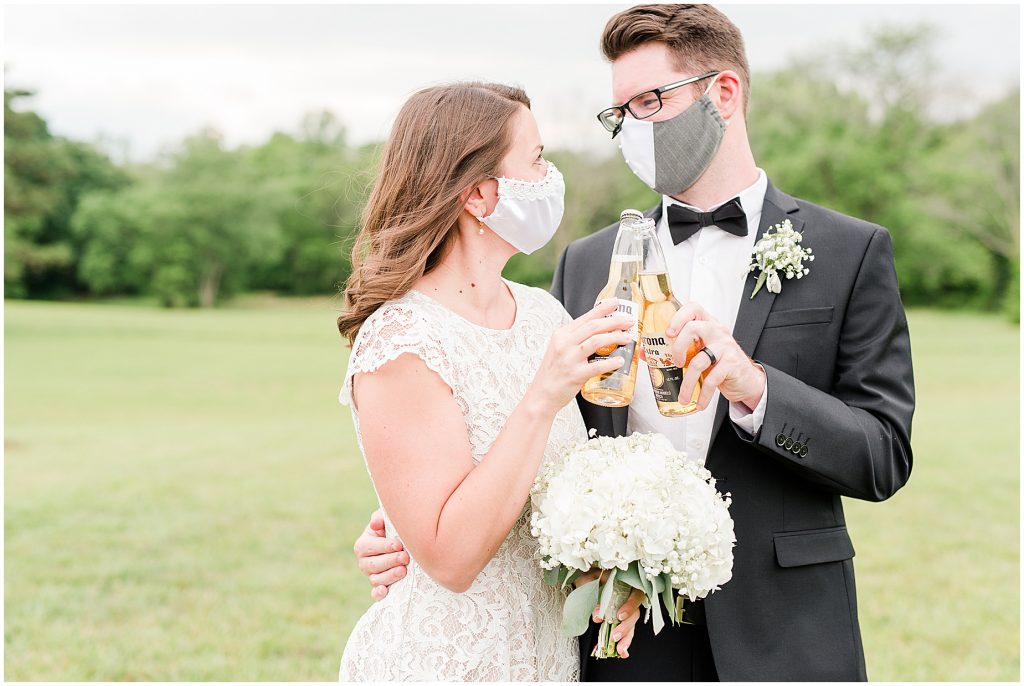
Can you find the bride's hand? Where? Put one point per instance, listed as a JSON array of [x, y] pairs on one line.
[[629, 613], [566, 366]]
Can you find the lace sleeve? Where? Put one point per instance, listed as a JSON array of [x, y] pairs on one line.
[[388, 333], [565, 317]]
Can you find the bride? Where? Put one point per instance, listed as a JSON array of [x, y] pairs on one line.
[[461, 385]]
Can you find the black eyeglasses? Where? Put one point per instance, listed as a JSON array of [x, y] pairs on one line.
[[644, 105]]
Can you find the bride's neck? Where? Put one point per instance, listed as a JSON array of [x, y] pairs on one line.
[[468, 279]]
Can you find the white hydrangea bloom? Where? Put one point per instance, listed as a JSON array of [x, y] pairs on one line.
[[614, 501]]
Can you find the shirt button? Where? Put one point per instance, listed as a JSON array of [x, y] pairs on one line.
[[703, 260]]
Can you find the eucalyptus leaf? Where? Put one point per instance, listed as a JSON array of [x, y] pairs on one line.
[[666, 596], [571, 576], [658, 584], [578, 608], [648, 587], [606, 593], [631, 576], [551, 576], [659, 621], [760, 282]]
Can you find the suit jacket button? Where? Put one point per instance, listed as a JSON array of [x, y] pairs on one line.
[[803, 451], [780, 440], [789, 444], [796, 447]]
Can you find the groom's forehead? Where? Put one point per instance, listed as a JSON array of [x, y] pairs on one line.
[[645, 68]]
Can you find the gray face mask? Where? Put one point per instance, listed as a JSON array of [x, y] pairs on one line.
[[671, 155]]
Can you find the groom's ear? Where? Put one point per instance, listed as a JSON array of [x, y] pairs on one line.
[[728, 94]]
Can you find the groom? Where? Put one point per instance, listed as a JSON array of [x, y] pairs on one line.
[[809, 393]]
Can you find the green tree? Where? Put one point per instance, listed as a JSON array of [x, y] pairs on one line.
[[117, 256], [191, 230], [975, 190], [322, 185], [852, 133], [44, 178], [213, 216]]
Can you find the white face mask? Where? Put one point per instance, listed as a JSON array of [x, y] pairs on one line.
[[528, 212]]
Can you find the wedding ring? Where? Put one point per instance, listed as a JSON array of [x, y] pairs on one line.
[[711, 355]]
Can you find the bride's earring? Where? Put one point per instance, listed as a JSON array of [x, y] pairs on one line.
[[481, 230]]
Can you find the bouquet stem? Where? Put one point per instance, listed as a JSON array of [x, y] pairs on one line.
[[606, 646]]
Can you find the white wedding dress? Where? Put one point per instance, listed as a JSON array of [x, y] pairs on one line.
[[507, 625]]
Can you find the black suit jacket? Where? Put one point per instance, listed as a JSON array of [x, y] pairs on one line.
[[836, 350]]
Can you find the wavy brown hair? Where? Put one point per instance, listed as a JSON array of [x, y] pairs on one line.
[[445, 140]]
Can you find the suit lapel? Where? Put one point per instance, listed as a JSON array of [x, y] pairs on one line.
[[654, 213], [752, 314]]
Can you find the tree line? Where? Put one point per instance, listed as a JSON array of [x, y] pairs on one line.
[[204, 221]]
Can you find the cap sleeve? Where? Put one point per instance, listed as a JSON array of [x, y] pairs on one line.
[[559, 315], [391, 331]]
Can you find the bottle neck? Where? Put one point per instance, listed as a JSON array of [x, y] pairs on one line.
[[628, 244], [653, 256], [623, 268]]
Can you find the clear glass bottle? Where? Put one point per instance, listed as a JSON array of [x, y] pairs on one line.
[[615, 389], [660, 305]]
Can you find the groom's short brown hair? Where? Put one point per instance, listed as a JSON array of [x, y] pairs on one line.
[[699, 36]]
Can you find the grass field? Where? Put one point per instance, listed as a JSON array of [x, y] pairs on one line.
[[183, 490]]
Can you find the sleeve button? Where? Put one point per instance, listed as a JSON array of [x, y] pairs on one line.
[[803, 451]]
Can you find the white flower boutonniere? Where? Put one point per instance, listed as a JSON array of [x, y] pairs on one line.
[[779, 251]]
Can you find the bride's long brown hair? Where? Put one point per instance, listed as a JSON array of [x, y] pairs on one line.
[[445, 140]]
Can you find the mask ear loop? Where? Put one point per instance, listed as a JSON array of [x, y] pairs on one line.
[[480, 219], [708, 90]]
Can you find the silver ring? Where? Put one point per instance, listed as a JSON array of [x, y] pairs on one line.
[[711, 355]]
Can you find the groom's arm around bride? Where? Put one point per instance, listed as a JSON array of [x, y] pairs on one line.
[[826, 414]]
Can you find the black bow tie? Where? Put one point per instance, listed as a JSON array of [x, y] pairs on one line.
[[684, 222]]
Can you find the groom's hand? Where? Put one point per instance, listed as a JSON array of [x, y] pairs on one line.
[[382, 559], [740, 379]]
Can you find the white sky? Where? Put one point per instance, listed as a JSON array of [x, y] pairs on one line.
[[148, 75]]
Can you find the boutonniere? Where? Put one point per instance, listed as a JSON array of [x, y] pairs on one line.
[[779, 252]]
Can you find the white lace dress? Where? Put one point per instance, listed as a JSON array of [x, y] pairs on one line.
[[507, 625]]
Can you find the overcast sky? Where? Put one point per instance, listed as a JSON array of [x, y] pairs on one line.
[[148, 75]]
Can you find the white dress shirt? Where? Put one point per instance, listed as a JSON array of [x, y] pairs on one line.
[[709, 268]]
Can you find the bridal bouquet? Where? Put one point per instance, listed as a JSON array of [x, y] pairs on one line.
[[636, 507]]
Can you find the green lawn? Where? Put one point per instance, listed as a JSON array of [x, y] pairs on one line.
[[183, 490]]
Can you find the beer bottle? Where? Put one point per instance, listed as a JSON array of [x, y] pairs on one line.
[[659, 308], [615, 389]]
